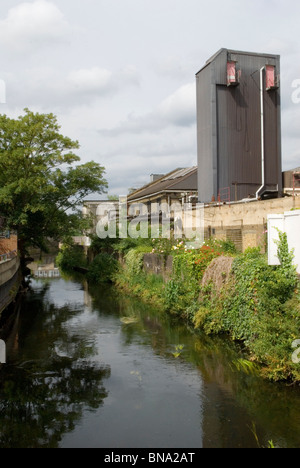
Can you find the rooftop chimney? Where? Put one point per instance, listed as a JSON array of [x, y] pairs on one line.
[[155, 177]]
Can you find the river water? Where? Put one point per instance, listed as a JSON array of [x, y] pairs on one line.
[[90, 367]]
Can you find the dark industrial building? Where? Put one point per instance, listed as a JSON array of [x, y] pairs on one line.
[[239, 127]]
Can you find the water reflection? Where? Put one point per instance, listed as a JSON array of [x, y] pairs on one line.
[[50, 378], [234, 403], [90, 367], [44, 266]]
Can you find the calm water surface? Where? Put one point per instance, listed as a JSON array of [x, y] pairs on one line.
[[93, 368]]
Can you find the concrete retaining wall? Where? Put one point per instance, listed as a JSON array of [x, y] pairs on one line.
[[9, 282], [158, 265], [8, 269]]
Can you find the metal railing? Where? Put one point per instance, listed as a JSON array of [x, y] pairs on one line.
[[224, 196], [8, 256]]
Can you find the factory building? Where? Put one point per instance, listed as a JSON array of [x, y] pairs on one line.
[[239, 127]]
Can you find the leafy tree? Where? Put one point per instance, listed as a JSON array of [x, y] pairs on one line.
[[41, 186]]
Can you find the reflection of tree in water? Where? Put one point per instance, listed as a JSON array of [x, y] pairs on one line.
[[44, 396]]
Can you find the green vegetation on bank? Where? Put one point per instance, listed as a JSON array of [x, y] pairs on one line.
[[71, 256], [218, 290], [259, 306]]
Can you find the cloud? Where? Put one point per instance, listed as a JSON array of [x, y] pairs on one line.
[[52, 88], [93, 80], [100, 81], [29, 25], [130, 160], [178, 109], [172, 67]]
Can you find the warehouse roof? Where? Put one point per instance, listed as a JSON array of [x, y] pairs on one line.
[[180, 180]]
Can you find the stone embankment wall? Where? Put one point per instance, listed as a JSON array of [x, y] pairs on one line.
[[9, 282], [158, 265]]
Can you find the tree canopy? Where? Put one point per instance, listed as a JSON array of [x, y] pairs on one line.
[[42, 182]]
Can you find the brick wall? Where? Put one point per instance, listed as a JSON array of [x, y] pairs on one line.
[[8, 245], [245, 223]]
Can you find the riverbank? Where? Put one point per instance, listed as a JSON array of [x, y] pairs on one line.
[[217, 291]]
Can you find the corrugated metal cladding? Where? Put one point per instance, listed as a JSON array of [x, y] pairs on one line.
[[229, 127]]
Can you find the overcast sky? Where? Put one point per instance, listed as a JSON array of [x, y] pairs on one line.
[[120, 74]]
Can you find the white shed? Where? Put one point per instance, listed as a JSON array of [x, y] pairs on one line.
[[288, 222]]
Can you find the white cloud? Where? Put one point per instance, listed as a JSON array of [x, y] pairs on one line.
[[100, 81], [172, 67], [93, 80], [48, 87], [29, 25], [178, 109]]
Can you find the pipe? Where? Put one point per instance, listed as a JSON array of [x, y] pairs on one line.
[[262, 113]]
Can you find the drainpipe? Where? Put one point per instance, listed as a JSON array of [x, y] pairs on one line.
[[262, 132]]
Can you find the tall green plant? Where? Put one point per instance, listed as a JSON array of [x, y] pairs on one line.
[[286, 258]]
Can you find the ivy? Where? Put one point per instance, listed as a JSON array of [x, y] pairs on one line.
[[260, 307], [182, 291]]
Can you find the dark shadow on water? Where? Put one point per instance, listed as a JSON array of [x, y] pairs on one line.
[[50, 378]]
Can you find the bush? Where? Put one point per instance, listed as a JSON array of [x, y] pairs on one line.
[[182, 291], [99, 245], [102, 269], [70, 257], [259, 306], [125, 245]]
